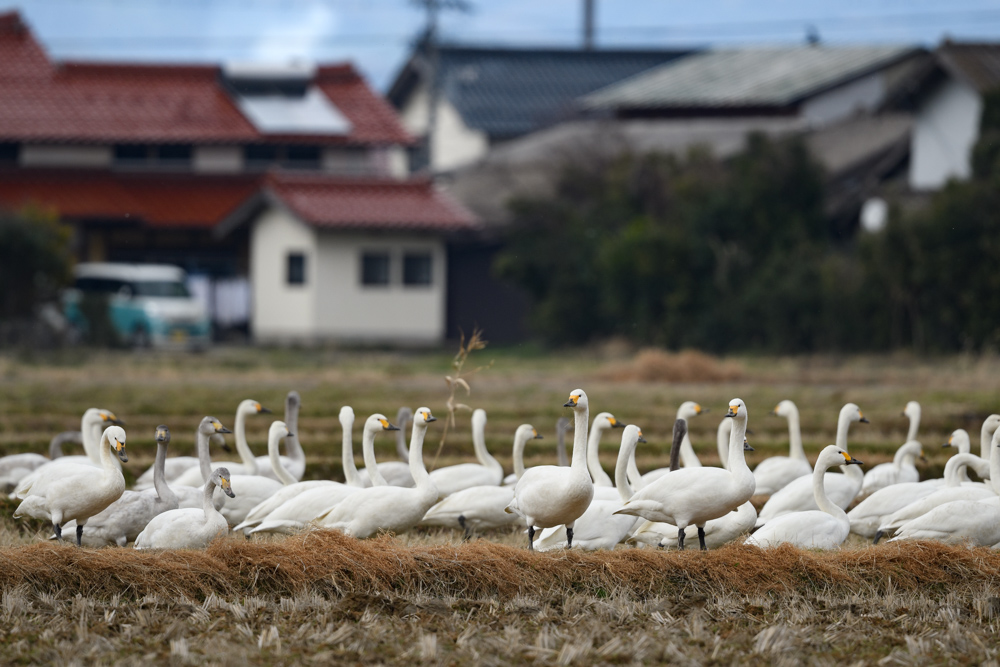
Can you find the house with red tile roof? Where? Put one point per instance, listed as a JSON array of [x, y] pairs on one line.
[[292, 179]]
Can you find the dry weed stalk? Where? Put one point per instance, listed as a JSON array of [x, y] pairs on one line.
[[455, 380]]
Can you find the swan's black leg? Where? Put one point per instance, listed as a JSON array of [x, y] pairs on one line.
[[468, 533], [79, 535], [569, 537], [701, 538], [531, 538], [878, 536], [58, 530], [680, 539]]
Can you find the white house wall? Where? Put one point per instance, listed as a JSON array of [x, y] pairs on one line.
[[946, 128], [282, 312], [455, 144], [396, 313]]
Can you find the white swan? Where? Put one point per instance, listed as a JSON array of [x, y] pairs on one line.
[[876, 510], [775, 472], [196, 475], [989, 427], [189, 528], [599, 527], [562, 425], [694, 496], [295, 462], [297, 511], [388, 508], [488, 472], [397, 473], [287, 492], [547, 496], [912, 411], [901, 469], [722, 441], [74, 491], [122, 521], [964, 492], [602, 422], [959, 440], [482, 507], [15, 467], [798, 496], [688, 459], [718, 532], [825, 528], [92, 425]]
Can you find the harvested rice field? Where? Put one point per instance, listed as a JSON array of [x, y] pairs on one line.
[[426, 597]]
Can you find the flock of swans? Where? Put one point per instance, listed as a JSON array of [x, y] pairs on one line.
[[186, 502]]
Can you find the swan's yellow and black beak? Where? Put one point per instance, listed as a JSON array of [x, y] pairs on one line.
[[850, 460], [733, 410], [110, 417], [746, 446], [226, 487], [162, 433], [573, 400], [219, 428], [948, 444], [428, 417], [700, 410], [262, 410], [863, 420], [775, 411], [641, 439], [386, 426], [289, 434], [615, 423], [120, 450], [922, 457], [535, 435]]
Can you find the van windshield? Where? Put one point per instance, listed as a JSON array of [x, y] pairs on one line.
[[161, 288]]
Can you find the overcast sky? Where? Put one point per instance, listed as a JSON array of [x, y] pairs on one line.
[[376, 34]]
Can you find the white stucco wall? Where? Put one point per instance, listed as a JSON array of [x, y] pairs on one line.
[[455, 145], [864, 94], [282, 312], [65, 156], [946, 128], [349, 311]]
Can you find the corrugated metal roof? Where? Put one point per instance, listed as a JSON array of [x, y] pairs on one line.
[[744, 77], [508, 92], [978, 64]]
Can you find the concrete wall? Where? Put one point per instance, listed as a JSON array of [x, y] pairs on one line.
[[94, 157], [348, 310], [218, 159], [946, 128], [455, 145], [282, 312], [864, 94]]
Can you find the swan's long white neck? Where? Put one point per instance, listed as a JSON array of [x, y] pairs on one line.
[[274, 456], [593, 459], [995, 462], [404, 415], [906, 455], [521, 437], [737, 462], [795, 449], [626, 453], [163, 490], [914, 416], [368, 450], [581, 417], [293, 447], [112, 466], [819, 491], [985, 437], [90, 431], [479, 441], [722, 436], [955, 469], [632, 473], [206, 500], [242, 448], [204, 458], [351, 475], [416, 454], [843, 425]]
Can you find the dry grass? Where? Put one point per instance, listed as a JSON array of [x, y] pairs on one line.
[[656, 365]]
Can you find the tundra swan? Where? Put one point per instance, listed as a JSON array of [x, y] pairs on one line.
[[901, 469], [286, 493], [197, 475], [488, 472], [295, 462], [122, 521], [688, 459], [395, 473], [948, 494], [599, 527], [15, 467], [825, 528], [775, 472], [562, 425], [960, 440], [298, 510], [798, 495], [990, 425], [74, 491], [602, 422], [547, 496], [912, 412], [482, 507], [697, 495], [388, 508], [92, 425], [189, 528]]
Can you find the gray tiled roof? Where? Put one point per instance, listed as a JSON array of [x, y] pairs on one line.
[[755, 77], [507, 92], [978, 64]]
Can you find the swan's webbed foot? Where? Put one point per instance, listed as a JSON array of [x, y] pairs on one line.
[[531, 538], [56, 527], [569, 537], [878, 536], [79, 535], [680, 539], [468, 533], [701, 538]]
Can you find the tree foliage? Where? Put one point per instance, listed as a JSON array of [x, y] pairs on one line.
[[34, 261]]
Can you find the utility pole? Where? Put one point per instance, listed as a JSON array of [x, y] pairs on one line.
[[588, 24]]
